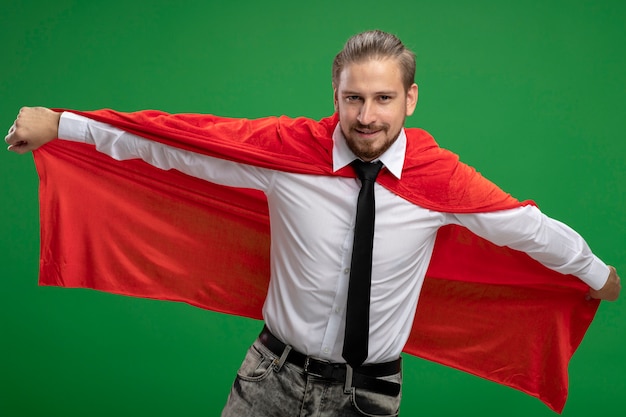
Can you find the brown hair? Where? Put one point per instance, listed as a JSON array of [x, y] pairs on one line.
[[375, 44]]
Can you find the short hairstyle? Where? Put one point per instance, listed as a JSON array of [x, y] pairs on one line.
[[375, 44]]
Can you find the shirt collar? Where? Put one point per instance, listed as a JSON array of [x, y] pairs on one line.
[[393, 158]]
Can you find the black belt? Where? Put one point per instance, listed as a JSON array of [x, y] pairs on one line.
[[366, 376]]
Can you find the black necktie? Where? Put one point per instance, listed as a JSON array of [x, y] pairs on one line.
[[358, 308]]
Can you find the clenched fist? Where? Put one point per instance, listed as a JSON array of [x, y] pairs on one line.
[[34, 127]]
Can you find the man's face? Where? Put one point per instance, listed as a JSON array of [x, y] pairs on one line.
[[372, 105]]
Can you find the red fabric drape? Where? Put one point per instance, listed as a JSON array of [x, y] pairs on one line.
[[128, 228]]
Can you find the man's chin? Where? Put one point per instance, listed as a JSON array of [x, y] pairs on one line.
[[367, 153]]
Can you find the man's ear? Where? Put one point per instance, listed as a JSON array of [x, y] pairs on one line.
[[411, 99]]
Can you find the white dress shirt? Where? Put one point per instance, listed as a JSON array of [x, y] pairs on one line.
[[312, 220]]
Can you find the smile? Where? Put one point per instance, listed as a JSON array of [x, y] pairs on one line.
[[367, 133]]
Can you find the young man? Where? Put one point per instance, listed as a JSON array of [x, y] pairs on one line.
[[303, 362]]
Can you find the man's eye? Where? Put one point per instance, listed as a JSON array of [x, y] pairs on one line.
[[352, 98], [385, 98]]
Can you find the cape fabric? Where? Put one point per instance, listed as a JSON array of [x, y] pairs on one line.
[[129, 228]]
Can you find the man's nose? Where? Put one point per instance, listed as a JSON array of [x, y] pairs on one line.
[[366, 114]]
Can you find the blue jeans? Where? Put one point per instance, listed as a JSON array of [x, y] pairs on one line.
[[264, 387]]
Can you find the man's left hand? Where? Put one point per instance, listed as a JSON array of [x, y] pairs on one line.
[[611, 289]]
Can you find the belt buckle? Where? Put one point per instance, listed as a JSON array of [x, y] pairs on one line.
[[308, 361]]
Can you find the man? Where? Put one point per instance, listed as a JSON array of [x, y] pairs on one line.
[[305, 361]]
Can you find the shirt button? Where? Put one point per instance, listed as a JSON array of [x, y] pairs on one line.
[[346, 271], [338, 310], [326, 350]]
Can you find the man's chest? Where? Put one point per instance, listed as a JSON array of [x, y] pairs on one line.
[[318, 214]]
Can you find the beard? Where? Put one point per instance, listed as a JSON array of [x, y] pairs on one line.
[[368, 150]]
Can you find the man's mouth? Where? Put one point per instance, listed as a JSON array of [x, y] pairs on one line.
[[367, 132]]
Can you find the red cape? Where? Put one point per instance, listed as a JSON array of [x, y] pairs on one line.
[[129, 228]]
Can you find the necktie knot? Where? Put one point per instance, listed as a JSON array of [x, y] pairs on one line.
[[366, 171]]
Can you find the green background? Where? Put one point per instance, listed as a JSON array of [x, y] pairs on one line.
[[530, 92]]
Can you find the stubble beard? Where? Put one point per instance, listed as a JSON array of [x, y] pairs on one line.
[[369, 150]]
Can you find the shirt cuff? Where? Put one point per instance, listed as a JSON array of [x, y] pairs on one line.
[[73, 127], [596, 274]]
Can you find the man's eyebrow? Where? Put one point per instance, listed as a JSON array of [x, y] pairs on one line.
[[377, 93]]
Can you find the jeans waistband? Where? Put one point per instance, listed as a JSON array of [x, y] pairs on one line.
[[365, 376]]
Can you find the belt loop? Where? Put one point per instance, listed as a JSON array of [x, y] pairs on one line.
[[278, 364], [347, 388]]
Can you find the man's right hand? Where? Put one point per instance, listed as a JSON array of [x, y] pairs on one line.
[[34, 127]]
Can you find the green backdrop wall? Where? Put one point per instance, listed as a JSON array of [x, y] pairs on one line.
[[530, 92]]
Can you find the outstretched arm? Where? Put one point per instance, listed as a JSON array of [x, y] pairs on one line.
[[548, 241], [34, 127]]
